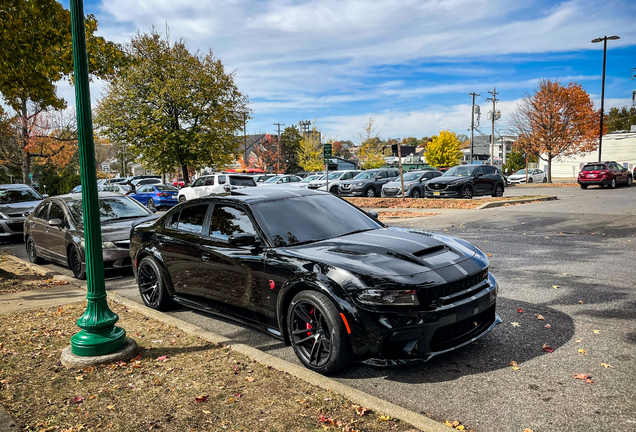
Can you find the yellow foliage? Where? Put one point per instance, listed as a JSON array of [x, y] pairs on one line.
[[444, 150]]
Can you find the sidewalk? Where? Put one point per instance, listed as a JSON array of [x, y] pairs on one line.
[[72, 293]]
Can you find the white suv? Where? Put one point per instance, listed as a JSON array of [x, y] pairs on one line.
[[214, 184], [335, 178]]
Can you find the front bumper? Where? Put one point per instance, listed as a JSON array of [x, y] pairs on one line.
[[421, 335], [355, 191], [113, 257], [516, 181], [449, 192], [11, 227]]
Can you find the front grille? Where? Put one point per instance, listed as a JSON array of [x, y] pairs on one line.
[[16, 226], [345, 186], [454, 334], [437, 186], [313, 186], [391, 191], [18, 215], [429, 295]]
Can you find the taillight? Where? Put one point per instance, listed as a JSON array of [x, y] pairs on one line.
[[163, 194]]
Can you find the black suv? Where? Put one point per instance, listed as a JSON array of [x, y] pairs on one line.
[[368, 183], [466, 181]]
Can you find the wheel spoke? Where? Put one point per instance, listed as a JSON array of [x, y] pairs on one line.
[[300, 331], [299, 342], [314, 350], [302, 313]]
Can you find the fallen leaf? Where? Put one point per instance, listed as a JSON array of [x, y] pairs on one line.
[[578, 340], [584, 377], [515, 324], [596, 331], [206, 412], [80, 378], [547, 326], [111, 407], [163, 358], [460, 427], [455, 423], [384, 418], [514, 365], [488, 255], [581, 351], [520, 310], [547, 348], [202, 398], [566, 274], [539, 317], [361, 410], [250, 379], [580, 301], [78, 399], [556, 286], [527, 430], [605, 365]]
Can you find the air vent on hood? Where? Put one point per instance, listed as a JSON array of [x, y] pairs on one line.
[[434, 250], [347, 252]]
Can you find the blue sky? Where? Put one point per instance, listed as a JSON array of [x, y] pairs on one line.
[[408, 64]]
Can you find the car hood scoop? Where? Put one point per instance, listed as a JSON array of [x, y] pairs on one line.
[[387, 251]]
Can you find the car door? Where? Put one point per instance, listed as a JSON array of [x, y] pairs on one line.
[[479, 181], [55, 237], [142, 194], [37, 226], [233, 274], [179, 243], [197, 188]]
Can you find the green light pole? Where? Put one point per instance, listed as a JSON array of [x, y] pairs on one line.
[[99, 335]]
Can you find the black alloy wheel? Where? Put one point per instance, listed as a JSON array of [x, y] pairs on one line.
[[370, 192], [499, 191], [75, 263], [334, 190], [545, 179], [530, 180], [152, 288], [317, 333], [415, 193], [182, 198], [151, 204], [467, 192], [629, 181], [613, 183], [32, 252]]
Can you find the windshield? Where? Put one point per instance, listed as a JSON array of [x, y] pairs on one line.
[[166, 188], [460, 171], [272, 180], [366, 175], [335, 175], [310, 178], [311, 218], [242, 181], [10, 196], [110, 208], [521, 172], [411, 176]]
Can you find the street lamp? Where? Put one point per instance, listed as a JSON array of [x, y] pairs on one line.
[[604, 39]]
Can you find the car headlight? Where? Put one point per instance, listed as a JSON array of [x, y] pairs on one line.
[[376, 297], [108, 245], [359, 184], [408, 185]]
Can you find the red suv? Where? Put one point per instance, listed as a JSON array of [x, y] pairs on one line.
[[604, 174]]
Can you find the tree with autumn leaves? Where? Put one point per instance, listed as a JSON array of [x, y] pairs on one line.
[[36, 52], [556, 121], [443, 150]]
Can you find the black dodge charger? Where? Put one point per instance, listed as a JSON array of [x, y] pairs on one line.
[[319, 273]]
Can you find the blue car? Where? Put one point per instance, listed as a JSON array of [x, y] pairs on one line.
[[156, 196]]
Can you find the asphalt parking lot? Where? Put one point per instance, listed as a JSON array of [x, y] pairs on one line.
[[569, 261]]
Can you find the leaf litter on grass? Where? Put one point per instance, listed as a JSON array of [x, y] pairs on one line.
[[190, 391]]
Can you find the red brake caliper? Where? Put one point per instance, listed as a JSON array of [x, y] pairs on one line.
[[309, 327]]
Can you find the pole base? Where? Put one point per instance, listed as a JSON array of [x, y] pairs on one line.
[[85, 344], [72, 361]]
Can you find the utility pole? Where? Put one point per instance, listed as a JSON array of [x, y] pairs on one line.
[[278, 142], [400, 164], [492, 135], [472, 125], [244, 134]]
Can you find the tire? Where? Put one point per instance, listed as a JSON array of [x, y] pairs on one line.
[[415, 193], [499, 191], [334, 190], [318, 334], [152, 286], [182, 198], [530, 180], [369, 193], [613, 183], [32, 252], [75, 263], [545, 179], [629, 181], [467, 192], [583, 186], [151, 204]]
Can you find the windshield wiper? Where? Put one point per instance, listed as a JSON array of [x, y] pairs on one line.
[[355, 232], [122, 218]]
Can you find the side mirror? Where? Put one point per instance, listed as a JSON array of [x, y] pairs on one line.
[[242, 239], [378, 178], [374, 214], [478, 175], [56, 223], [45, 195]]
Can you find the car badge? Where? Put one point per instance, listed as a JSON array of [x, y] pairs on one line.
[[26, 214], [272, 285]]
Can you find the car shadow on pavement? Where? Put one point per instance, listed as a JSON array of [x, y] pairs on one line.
[[519, 338]]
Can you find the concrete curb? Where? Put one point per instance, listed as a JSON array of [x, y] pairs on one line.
[[419, 421], [518, 201]]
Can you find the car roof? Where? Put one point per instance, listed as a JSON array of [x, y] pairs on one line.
[[255, 195], [15, 186], [78, 196]]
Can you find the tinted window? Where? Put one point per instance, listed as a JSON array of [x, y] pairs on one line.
[[311, 218], [393, 174], [294, 179], [199, 182], [165, 188], [242, 181], [285, 180], [479, 170], [596, 167], [365, 175], [173, 220], [8, 196], [191, 219], [41, 211], [56, 212], [227, 221], [222, 179], [209, 181], [436, 174]]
